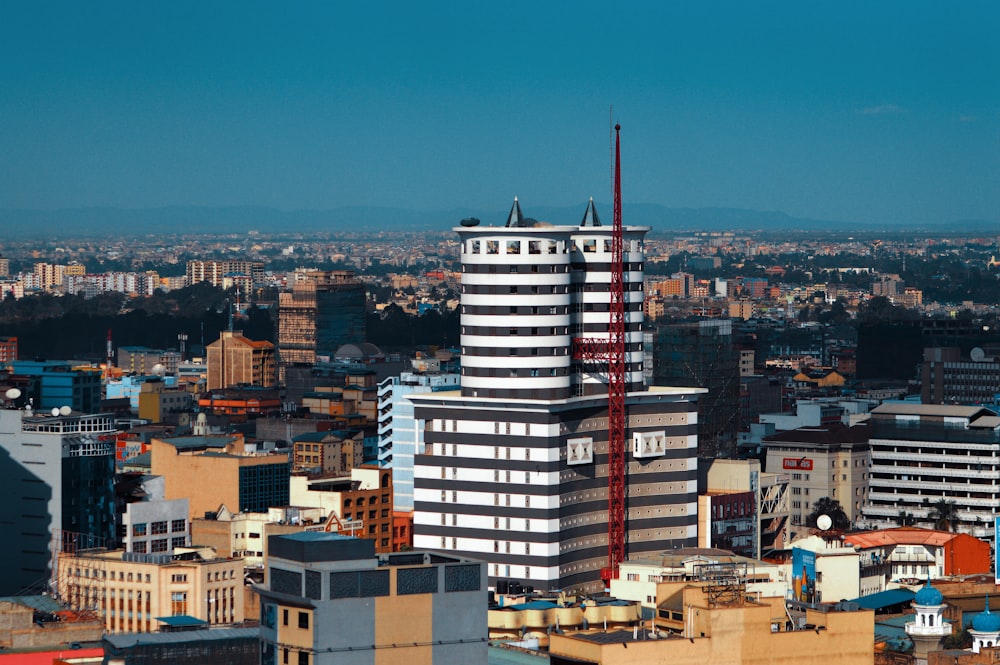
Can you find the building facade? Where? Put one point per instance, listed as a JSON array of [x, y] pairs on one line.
[[514, 465], [131, 591], [922, 454], [235, 360], [829, 460], [328, 600], [59, 475], [321, 313]]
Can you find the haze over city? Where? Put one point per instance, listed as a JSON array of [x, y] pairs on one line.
[[879, 113]]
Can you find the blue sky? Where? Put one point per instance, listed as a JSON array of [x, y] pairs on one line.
[[882, 112]]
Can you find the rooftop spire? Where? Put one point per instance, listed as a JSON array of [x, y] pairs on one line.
[[515, 218], [590, 217]]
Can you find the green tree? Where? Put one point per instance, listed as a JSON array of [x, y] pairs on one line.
[[831, 507], [945, 515]]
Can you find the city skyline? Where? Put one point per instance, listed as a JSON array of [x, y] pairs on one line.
[[876, 114]]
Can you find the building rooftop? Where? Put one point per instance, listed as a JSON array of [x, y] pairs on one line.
[[195, 442], [832, 434], [126, 640], [903, 535], [941, 410]]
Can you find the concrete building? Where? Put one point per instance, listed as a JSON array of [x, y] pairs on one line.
[[61, 384], [743, 632], [143, 360], [234, 360], [922, 454], [912, 553], [328, 599], [244, 535], [702, 354], [8, 349], [357, 505], [215, 272], [642, 579], [30, 624], [741, 508], [130, 591], [948, 378], [400, 437], [158, 403], [58, 472], [156, 526], [212, 471], [332, 452], [322, 312], [514, 465], [825, 461]]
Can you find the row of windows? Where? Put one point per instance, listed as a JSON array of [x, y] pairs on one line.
[[158, 528]]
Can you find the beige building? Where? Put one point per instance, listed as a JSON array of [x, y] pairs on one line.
[[131, 590], [700, 627], [828, 460], [724, 477], [235, 360], [244, 535], [213, 471]]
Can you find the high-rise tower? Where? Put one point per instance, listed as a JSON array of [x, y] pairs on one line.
[[515, 464]]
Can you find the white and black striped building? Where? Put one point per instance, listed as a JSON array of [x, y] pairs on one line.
[[514, 466]]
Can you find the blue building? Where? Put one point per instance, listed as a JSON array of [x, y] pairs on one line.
[[60, 384]]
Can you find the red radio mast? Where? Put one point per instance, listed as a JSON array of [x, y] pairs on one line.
[[612, 351]]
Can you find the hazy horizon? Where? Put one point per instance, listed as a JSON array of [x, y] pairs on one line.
[[880, 114]]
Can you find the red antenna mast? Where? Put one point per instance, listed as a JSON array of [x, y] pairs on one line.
[[612, 351]]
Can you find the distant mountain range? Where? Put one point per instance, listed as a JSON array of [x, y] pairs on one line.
[[80, 222]]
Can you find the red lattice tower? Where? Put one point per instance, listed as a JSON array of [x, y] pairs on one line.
[[612, 351]]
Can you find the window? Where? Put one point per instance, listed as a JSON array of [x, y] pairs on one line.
[[158, 545], [303, 620], [139, 529], [177, 542], [178, 525], [303, 658], [178, 603], [139, 547], [159, 527], [178, 579], [284, 617]]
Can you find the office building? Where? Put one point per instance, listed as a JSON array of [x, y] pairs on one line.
[[948, 378], [58, 472], [322, 312], [234, 360], [8, 349], [143, 360], [702, 354], [400, 436], [214, 471], [923, 454], [830, 460], [61, 384], [216, 272], [328, 600], [514, 465], [132, 591]]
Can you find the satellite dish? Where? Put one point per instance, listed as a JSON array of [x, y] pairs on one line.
[[977, 355], [65, 410], [159, 369], [55, 411], [13, 393], [470, 221], [824, 522]]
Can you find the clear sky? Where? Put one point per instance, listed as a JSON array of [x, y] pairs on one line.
[[863, 111]]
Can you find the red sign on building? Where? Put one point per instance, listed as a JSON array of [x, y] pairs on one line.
[[801, 464]]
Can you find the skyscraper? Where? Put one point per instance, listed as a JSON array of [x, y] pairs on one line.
[[515, 464], [322, 312], [58, 471]]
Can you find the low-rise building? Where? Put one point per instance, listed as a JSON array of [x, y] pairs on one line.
[[328, 599], [130, 591]]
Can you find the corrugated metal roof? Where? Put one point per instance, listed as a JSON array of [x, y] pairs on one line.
[[877, 601], [942, 410], [126, 640]]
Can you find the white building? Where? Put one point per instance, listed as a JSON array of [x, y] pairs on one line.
[[399, 435], [514, 465], [156, 526], [922, 453]]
